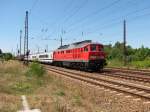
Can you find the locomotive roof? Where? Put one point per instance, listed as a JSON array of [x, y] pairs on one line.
[[76, 45]]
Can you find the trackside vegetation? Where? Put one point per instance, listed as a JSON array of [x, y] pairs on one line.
[[20, 79], [5, 56], [35, 69], [136, 57], [51, 92]]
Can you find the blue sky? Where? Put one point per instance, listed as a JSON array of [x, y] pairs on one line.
[[98, 20]]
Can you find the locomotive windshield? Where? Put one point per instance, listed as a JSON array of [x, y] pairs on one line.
[[93, 47], [100, 48], [86, 49]]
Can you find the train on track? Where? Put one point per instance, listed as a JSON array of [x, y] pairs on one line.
[[84, 55]]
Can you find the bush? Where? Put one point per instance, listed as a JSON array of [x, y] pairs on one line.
[[7, 56], [22, 87], [115, 62], [35, 69], [141, 64]]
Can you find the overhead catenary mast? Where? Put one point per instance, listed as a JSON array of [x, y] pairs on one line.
[[26, 50], [46, 48], [20, 40], [61, 38], [17, 53], [61, 41], [124, 41]]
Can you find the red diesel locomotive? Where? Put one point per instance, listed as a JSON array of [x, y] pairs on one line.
[[85, 55]]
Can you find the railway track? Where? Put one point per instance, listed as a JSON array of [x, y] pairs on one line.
[[119, 86], [131, 71], [129, 74], [139, 78]]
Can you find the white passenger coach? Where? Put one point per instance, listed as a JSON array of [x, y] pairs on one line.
[[46, 57]]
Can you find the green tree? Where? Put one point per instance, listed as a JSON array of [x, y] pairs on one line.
[[7, 56], [142, 53], [117, 51], [1, 53], [107, 49]]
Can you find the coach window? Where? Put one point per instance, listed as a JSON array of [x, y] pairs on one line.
[[33, 56], [43, 56], [85, 49]]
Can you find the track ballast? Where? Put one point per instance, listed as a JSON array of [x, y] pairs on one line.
[[136, 90]]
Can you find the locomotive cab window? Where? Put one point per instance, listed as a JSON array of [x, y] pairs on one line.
[[86, 49], [93, 47], [100, 48]]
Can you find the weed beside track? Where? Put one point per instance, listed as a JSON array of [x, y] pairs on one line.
[[51, 92]]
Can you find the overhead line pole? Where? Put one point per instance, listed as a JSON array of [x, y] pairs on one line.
[[27, 34], [124, 41], [61, 40], [26, 50], [25, 39], [20, 40], [47, 47], [17, 53]]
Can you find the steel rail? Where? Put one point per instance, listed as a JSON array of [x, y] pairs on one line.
[[118, 86]]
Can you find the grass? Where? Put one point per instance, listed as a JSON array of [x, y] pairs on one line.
[[134, 64], [35, 69], [59, 107], [9, 103], [60, 93], [17, 79], [77, 100], [115, 63], [52, 93], [141, 64], [21, 79]]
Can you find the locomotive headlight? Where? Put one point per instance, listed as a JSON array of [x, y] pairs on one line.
[[96, 57], [102, 57], [93, 57]]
